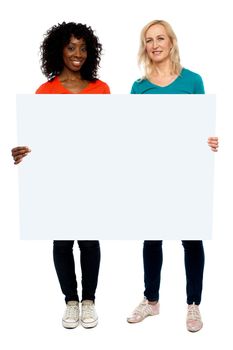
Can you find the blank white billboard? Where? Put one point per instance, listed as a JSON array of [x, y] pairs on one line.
[[116, 166]]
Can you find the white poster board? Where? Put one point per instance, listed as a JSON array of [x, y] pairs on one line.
[[116, 166]]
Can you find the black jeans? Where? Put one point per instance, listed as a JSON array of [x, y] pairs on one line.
[[194, 267], [65, 268]]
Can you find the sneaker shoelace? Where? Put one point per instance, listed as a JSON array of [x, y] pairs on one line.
[[142, 309], [88, 310], [71, 311], [194, 313]]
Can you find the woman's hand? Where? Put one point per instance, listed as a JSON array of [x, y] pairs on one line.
[[19, 152], [213, 143]]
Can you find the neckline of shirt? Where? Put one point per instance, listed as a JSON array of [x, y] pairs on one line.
[[166, 86]]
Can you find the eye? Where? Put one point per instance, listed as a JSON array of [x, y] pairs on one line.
[[84, 49], [70, 48], [161, 38], [148, 41]]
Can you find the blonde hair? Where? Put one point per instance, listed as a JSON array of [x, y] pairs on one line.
[[146, 62]]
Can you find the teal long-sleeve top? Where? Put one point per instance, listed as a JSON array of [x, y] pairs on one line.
[[187, 82]]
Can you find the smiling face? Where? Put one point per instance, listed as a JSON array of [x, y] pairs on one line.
[[157, 43], [74, 54]]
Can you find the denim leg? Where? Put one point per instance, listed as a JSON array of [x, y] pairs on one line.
[[90, 262], [152, 260], [65, 268], [194, 266]]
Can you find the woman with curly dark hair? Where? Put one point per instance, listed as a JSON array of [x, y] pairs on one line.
[[70, 57]]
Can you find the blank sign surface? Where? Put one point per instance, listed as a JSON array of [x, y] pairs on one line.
[[116, 166]]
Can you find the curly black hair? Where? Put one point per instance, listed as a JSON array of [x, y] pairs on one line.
[[57, 37]]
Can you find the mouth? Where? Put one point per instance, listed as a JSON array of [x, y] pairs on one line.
[[77, 63], [157, 52]]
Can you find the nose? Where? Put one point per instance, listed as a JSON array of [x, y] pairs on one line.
[[155, 44], [77, 53]]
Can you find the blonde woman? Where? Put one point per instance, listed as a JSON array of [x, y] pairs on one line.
[[159, 55]]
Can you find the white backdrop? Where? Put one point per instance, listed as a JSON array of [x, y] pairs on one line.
[[31, 302]]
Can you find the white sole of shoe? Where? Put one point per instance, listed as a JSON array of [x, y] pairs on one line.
[[70, 325], [89, 324], [129, 320], [194, 330]]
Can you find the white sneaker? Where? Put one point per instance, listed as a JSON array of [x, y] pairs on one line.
[[71, 315], [89, 318]]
